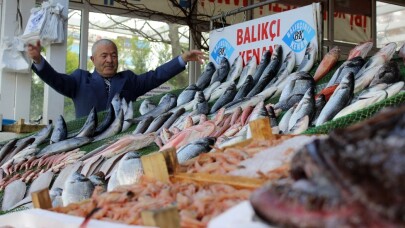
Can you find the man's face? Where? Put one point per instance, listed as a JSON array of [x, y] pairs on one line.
[[105, 60]]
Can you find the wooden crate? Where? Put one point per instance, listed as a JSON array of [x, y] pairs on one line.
[[21, 127]]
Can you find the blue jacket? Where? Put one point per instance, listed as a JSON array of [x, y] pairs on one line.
[[87, 90]]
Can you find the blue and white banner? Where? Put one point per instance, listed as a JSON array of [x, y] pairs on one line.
[[292, 29]]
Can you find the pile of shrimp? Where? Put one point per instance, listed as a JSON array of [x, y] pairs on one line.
[[223, 161], [197, 203]]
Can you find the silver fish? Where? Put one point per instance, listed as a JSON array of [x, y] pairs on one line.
[[42, 135], [65, 145], [7, 148], [195, 148], [220, 90], [129, 114], [285, 119], [300, 126], [41, 182], [107, 120], [249, 69], [113, 181], [201, 104], [306, 107], [166, 103], [59, 131], [320, 102], [269, 72], [339, 99], [146, 106], [360, 50], [236, 69], [65, 174], [208, 91], [129, 168], [258, 112], [89, 127], [401, 52], [264, 61], [158, 122], [245, 88], [143, 125], [113, 129], [20, 145], [309, 58], [13, 193], [187, 94], [353, 65], [294, 90], [225, 98], [286, 68], [76, 188], [116, 103], [205, 78], [172, 118], [222, 71]]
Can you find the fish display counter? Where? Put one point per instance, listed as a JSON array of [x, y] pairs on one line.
[[241, 128]]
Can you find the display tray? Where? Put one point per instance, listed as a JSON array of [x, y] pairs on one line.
[[38, 218]]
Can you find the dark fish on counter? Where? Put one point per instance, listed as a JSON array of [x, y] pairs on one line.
[[129, 168], [225, 98], [143, 125], [158, 122], [286, 68], [264, 61], [201, 105], [320, 102], [108, 119], [370, 69], [306, 107], [113, 129], [269, 72], [7, 148], [167, 102], [76, 189], [339, 99], [388, 73], [63, 146], [295, 89], [187, 94], [353, 65], [205, 78], [146, 106], [236, 69], [222, 71], [89, 127], [245, 88], [249, 69], [309, 58], [59, 131], [193, 149], [173, 118]]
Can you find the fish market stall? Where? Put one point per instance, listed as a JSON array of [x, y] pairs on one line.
[[263, 137]]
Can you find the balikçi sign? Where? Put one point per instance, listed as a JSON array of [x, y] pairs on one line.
[[292, 29]]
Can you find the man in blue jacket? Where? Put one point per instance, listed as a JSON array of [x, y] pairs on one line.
[[88, 90]]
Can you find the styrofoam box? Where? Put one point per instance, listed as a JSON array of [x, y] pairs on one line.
[[38, 218]]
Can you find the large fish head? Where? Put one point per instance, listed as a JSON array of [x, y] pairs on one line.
[[335, 52], [77, 177], [277, 53], [98, 179], [265, 57], [248, 80], [200, 97], [320, 101], [224, 63]]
